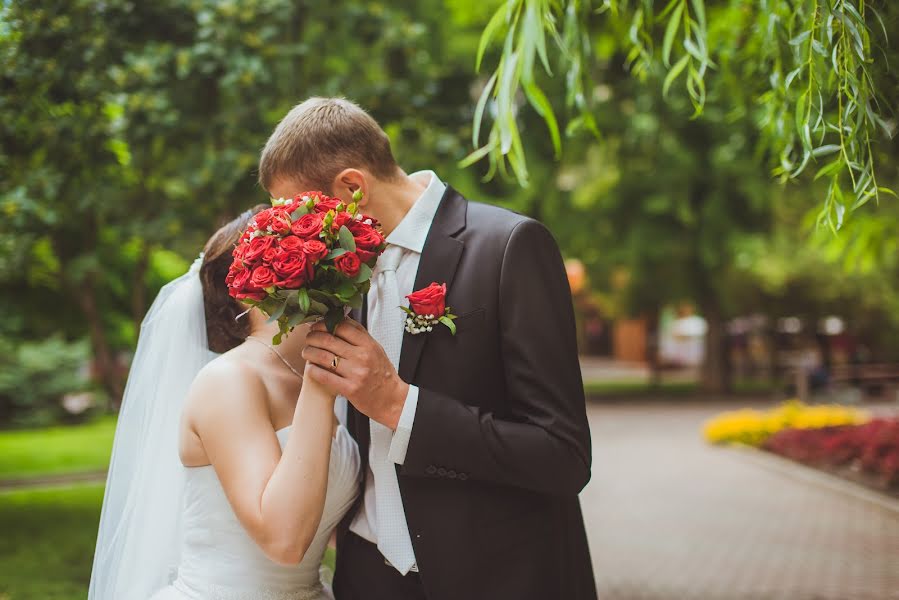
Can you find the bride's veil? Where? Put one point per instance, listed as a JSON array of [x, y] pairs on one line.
[[139, 539]]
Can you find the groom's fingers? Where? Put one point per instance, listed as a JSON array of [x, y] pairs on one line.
[[333, 344], [348, 330], [322, 358]]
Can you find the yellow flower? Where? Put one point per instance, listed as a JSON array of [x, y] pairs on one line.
[[754, 427]]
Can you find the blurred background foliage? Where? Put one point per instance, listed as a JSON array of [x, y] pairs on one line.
[[131, 129]]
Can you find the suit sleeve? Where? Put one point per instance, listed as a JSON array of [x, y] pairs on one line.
[[542, 440]]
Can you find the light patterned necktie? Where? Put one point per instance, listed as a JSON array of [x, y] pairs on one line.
[[386, 326]]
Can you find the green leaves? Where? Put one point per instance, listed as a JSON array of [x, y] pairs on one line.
[[347, 242], [811, 64], [670, 32], [449, 323]]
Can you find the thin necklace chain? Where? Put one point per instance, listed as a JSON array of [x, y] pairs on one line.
[[278, 354]]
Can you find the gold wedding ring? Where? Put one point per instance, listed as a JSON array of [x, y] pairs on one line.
[[335, 362]]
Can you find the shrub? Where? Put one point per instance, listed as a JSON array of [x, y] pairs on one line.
[[872, 447], [34, 376], [754, 427]]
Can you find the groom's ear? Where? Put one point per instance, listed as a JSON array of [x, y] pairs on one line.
[[347, 182]]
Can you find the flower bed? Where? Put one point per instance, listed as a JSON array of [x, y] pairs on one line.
[[754, 427], [872, 448]]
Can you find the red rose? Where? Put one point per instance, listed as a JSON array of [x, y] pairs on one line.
[[315, 250], [240, 251], [262, 277], [270, 253], [367, 237], [341, 219], [257, 247], [348, 264], [294, 203], [280, 222], [326, 203], [306, 196], [429, 301], [308, 226], [293, 269], [236, 267], [370, 221], [263, 218], [366, 255], [292, 243], [241, 288]]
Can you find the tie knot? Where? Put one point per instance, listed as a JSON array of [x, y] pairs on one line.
[[390, 259]]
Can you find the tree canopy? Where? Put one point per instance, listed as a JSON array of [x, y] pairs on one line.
[[813, 76]]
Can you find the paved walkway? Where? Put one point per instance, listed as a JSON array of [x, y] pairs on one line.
[[63, 479], [670, 518]]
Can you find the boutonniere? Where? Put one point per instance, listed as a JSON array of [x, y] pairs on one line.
[[427, 308]]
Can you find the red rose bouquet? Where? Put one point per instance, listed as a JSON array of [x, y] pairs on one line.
[[306, 258]]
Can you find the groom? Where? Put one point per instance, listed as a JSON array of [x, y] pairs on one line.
[[474, 446]]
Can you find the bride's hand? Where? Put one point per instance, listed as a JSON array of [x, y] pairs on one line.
[[314, 386]]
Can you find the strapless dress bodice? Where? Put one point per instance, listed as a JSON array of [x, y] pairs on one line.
[[219, 559]]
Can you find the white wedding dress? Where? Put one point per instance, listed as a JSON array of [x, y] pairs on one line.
[[219, 560]]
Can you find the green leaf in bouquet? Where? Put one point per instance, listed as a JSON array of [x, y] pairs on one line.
[[408, 311], [303, 300], [364, 274], [296, 319], [355, 301], [318, 308], [335, 253], [292, 297], [323, 296], [279, 311], [333, 318], [347, 242], [277, 339], [345, 290], [300, 211]]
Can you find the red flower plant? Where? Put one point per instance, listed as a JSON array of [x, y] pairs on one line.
[[306, 258], [427, 308]]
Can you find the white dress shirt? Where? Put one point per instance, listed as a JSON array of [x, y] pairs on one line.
[[410, 235]]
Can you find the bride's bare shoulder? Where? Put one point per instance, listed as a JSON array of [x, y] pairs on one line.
[[227, 387]]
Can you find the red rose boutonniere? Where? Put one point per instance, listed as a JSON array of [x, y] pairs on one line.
[[427, 308]]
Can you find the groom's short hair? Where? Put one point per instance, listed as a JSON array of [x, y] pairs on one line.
[[321, 137]]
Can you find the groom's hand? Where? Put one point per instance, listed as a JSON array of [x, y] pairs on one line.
[[364, 374]]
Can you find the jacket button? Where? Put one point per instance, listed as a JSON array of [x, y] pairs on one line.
[[441, 471], [463, 476], [451, 474], [431, 470]]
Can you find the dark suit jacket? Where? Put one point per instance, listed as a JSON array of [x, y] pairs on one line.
[[500, 446]]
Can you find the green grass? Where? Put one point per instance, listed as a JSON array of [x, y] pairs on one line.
[[638, 388], [47, 542], [56, 450], [665, 390]]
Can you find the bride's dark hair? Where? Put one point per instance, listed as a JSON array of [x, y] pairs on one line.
[[223, 329]]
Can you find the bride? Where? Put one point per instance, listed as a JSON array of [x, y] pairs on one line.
[[229, 469]]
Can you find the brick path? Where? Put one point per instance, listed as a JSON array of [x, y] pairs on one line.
[[670, 518]]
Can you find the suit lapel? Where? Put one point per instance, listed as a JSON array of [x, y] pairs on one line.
[[439, 259]]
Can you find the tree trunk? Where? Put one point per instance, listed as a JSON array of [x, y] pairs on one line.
[[139, 286], [715, 373], [106, 364]]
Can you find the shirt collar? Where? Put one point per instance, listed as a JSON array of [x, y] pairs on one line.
[[412, 231]]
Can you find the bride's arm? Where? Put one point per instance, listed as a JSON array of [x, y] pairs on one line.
[[278, 497]]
